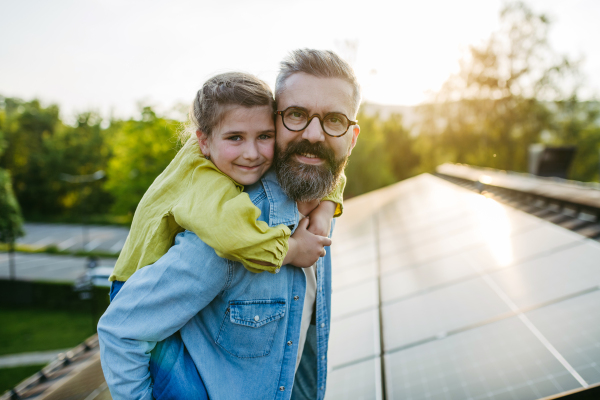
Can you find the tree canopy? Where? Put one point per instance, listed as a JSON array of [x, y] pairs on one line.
[[511, 91]]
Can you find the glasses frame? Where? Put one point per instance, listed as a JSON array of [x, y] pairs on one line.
[[350, 122]]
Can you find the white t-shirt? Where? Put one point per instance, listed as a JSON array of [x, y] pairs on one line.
[[309, 300]]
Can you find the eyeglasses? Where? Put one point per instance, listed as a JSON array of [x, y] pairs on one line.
[[297, 119]]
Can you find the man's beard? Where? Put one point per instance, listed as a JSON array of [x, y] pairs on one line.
[[306, 182]]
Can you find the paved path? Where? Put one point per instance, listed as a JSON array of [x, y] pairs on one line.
[[48, 267], [33, 358], [109, 239]]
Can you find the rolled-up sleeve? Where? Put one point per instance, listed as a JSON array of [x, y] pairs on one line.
[[154, 303]]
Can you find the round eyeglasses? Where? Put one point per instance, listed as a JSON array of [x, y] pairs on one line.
[[297, 119]]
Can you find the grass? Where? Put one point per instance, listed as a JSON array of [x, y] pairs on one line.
[[10, 377], [26, 329]]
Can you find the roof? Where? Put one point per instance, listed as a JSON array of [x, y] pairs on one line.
[[444, 293]]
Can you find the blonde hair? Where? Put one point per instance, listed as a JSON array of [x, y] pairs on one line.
[[219, 94]]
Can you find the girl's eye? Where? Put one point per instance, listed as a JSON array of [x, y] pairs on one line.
[[265, 137], [235, 138]]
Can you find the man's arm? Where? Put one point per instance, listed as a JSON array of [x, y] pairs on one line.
[[152, 305]]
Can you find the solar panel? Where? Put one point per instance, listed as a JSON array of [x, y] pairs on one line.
[[573, 329], [478, 300], [361, 381], [502, 360], [436, 313]]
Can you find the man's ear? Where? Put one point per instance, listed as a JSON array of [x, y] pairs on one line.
[[355, 132], [203, 142]]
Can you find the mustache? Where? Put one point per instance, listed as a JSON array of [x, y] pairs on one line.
[[317, 149]]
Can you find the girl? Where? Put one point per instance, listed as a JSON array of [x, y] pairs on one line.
[[201, 189]]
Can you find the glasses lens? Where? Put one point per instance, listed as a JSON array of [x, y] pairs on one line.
[[335, 124], [295, 118]]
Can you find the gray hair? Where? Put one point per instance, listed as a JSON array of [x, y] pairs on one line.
[[319, 63]]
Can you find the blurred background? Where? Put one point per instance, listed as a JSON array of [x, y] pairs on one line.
[[92, 95]]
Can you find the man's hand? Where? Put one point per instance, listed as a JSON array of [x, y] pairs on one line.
[[320, 218], [304, 247]]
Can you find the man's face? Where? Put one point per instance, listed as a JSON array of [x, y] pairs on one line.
[[309, 162]]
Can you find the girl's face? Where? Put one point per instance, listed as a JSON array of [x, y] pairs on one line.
[[242, 145]]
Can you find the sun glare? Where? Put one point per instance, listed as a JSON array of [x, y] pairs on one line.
[[495, 228]]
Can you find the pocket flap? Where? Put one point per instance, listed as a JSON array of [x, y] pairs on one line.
[[256, 313]]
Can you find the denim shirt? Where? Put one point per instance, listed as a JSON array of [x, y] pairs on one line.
[[240, 328]]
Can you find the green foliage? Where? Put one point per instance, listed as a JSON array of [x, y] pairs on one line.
[[141, 151], [10, 377], [41, 148], [576, 123], [508, 95], [511, 91], [384, 154], [27, 127], [11, 220]]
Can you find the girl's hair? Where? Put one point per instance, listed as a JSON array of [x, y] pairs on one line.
[[219, 94]]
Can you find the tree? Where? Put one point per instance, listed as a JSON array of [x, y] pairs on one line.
[[384, 155], [40, 148], [141, 150], [11, 221], [496, 106]]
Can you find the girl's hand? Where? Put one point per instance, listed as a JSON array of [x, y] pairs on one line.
[[320, 218], [305, 248]]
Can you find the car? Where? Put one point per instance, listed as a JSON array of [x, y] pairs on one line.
[[97, 276]]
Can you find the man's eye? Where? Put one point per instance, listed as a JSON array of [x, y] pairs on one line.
[[297, 114]]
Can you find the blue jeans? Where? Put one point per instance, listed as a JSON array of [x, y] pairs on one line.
[[171, 367]]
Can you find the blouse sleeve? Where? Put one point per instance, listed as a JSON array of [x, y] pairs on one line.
[[337, 195], [215, 208]]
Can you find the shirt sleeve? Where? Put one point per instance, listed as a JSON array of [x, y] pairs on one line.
[[154, 303], [224, 217], [337, 195]]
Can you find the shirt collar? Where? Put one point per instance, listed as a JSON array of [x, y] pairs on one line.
[[283, 210]]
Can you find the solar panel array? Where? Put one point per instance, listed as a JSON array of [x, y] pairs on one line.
[[441, 293]]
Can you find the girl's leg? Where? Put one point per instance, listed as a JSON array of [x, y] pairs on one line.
[[174, 373], [114, 289]]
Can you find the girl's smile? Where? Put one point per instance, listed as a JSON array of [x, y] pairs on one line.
[[242, 145]]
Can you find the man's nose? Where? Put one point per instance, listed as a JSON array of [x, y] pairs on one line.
[[314, 132]]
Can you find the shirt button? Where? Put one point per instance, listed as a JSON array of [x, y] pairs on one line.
[[321, 387], [322, 325], [277, 270], [256, 318], [322, 357], [296, 298], [281, 388], [289, 343]]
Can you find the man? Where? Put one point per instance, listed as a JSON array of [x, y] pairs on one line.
[[244, 335]]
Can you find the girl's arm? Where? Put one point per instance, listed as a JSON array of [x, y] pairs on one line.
[[337, 197], [215, 208], [330, 207]]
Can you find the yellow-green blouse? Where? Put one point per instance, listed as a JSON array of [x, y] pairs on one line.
[[193, 194]]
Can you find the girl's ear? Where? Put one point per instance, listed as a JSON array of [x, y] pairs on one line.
[[203, 142]]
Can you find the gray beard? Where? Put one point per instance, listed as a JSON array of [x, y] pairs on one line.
[[304, 182]]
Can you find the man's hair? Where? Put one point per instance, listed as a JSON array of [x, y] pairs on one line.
[[319, 63], [219, 94]]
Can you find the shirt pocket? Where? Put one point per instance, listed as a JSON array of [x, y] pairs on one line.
[[249, 327]]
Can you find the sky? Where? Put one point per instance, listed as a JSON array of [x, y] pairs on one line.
[[112, 56]]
